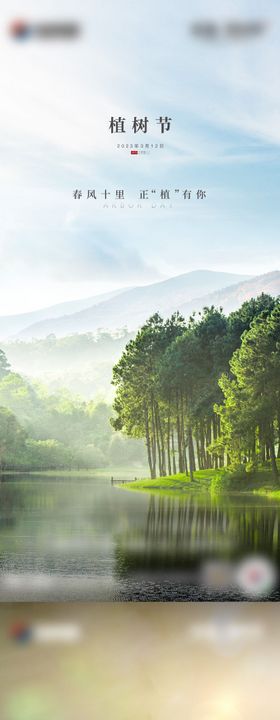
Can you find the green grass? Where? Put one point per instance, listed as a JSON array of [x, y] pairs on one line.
[[210, 481], [275, 494], [179, 484]]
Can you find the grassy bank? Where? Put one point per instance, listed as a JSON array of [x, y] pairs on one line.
[[211, 481], [175, 484]]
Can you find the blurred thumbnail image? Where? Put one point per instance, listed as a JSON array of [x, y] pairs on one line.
[[141, 661]]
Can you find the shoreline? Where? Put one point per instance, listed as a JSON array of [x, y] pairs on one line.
[[213, 482]]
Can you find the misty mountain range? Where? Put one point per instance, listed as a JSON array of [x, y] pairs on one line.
[[131, 307]]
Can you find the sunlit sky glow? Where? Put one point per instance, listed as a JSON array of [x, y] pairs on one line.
[[135, 59]]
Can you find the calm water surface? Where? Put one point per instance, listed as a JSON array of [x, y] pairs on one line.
[[82, 538]]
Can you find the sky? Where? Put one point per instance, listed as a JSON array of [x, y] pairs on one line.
[[136, 59]]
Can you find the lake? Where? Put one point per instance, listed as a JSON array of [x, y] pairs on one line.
[[82, 538]]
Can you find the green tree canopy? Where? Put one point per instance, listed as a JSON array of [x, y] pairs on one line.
[[4, 365]]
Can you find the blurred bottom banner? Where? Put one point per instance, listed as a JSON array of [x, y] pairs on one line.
[[117, 661]]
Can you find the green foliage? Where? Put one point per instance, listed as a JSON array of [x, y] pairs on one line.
[[204, 394], [82, 363], [39, 430], [250, 413], [12, 437], [46, 455], [138, 403], [4, 365]]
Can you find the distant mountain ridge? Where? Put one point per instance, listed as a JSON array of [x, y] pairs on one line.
[[13, 324], [132, 306], [232, 297]]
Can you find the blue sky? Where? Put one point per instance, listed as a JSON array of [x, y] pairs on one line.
[[136, 59]]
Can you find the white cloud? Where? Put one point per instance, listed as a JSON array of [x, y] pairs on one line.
[[56, 103]]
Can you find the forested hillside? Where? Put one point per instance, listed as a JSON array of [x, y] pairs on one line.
[[82, 363], [39, 430], [201, 393]]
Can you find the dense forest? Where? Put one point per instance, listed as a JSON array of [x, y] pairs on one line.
[[42, 431], [204, 393]]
